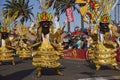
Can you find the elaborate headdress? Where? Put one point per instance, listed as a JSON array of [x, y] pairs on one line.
[[105, 18], [4, 29], [44, 16]]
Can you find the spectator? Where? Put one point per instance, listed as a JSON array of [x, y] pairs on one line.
[[84, 47], [65, 45], [79, 43], [70, 44]]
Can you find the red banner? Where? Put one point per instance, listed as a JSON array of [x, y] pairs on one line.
[[75, 54], [69, 14]]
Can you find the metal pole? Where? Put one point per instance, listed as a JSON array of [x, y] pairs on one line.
[[115, 14], [118, 13]]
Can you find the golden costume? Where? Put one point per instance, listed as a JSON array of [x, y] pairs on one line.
[[103, 53], [104, 56], [22, 49], [47, 53], [6, 53]]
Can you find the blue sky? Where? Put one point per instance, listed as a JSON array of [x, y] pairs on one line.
[[36, 9]]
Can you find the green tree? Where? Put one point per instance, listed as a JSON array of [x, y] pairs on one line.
[[61, 5], [23, 8]]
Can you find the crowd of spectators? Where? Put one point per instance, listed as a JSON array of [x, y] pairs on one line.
[[75, 42]]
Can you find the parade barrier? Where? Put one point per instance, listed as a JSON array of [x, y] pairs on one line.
[[75, 54], [118, 56], [80, 54]]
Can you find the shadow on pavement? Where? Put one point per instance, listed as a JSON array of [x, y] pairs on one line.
[[90, 74], [103, 67], [90, 65], [50, 71], [1, 77], [17, 75]]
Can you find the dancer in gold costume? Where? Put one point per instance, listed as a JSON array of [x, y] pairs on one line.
[[22, 48], [105, 56], [103, 51], [6, 51], [48, 52]]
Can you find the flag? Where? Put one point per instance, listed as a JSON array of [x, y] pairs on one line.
[[69, 14]]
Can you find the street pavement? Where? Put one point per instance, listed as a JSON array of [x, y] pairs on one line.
[[72, 70]]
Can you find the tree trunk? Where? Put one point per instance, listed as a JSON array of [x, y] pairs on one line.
[[68, 26], [82, 23]]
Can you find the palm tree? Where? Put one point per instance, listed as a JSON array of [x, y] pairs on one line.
[[23, 8], [61, 5]]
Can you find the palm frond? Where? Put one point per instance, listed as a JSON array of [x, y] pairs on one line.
[[21, 7], [8, 2], [15, 15]]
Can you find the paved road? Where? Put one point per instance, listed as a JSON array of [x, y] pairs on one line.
[[72, 70]]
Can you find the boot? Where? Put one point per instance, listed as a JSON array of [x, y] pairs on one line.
[[116, 68], [98, 67], [38, 72], [58, 72], [13, 63]]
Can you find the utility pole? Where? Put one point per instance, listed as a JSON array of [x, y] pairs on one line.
[[118, 14], [115, 15]]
